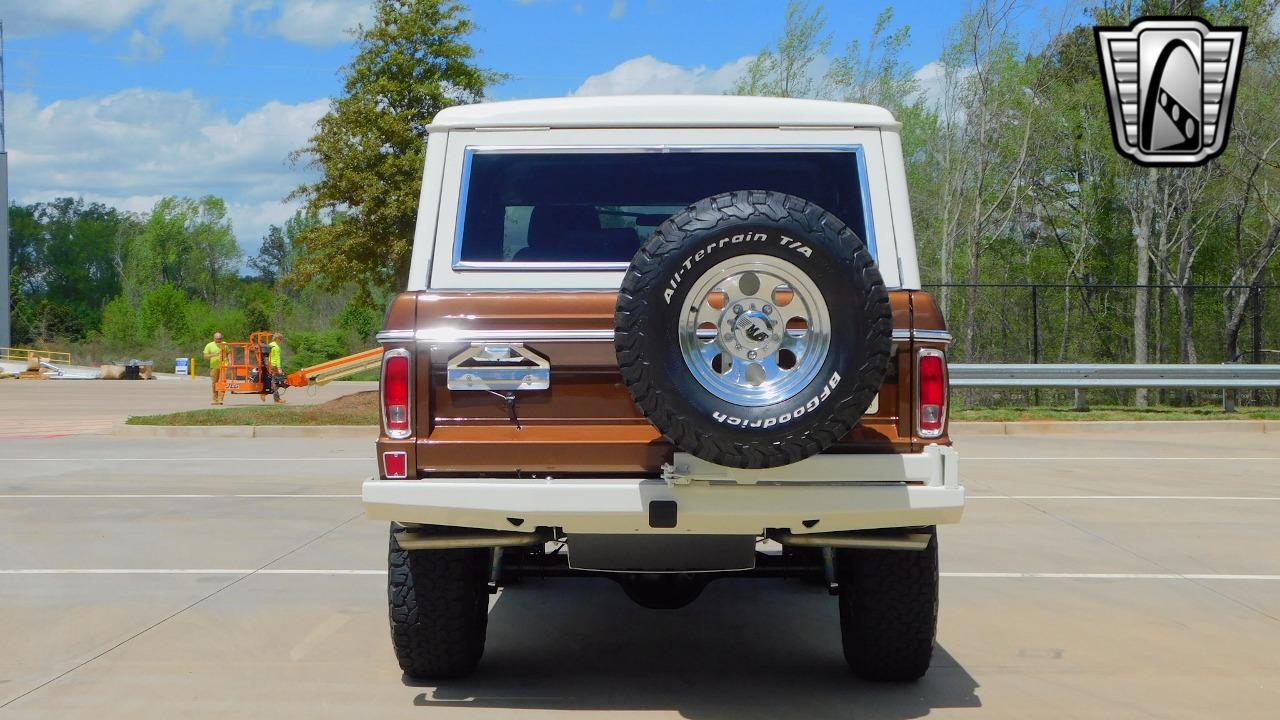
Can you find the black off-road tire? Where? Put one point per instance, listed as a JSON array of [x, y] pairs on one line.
[[654, 294], [438, 602], [889, 611]]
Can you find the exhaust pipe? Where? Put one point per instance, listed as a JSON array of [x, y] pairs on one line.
[[409, 540], [853, 540]]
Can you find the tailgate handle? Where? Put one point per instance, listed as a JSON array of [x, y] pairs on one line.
[[498, 366]]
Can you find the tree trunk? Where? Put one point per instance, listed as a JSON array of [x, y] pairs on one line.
[[1141, 303], [1186, 310], [1142, 299], [971, 304]]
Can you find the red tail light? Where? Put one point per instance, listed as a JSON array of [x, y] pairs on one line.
[[395, 464], [395, 393], [931, 392]]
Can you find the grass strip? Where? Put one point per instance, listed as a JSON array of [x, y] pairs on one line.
[[1111, 412], [263, 415]]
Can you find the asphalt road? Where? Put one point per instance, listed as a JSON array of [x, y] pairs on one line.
[[1091, 577]]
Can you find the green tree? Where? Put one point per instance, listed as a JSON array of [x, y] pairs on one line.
[[873, 72], [120, 324], [411, 63], [273, 260], [63, 254], [165, 307], [186, 243], [786, 70]]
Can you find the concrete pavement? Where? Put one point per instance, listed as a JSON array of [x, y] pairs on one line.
[[47, 408], [1104, 577]]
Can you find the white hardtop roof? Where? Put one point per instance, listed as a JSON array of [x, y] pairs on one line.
[[676, 111]]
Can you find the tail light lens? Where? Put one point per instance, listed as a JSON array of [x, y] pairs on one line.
[[395, 393], [395, 465], [931, 392]]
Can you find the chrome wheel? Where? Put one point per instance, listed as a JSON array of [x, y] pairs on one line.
[[756, 330]]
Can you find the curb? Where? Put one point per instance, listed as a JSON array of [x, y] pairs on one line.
[[245, 431], [1113, 427]]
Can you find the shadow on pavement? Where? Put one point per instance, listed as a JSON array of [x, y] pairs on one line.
[[745, 649]]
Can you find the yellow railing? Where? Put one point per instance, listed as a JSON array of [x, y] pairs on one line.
[[25, 354]]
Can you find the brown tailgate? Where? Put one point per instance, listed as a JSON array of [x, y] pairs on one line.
[[586, 421]]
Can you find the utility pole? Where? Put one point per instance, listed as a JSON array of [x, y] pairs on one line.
[[4, 212]]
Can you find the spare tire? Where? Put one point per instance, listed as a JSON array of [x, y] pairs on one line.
[[753, 329]]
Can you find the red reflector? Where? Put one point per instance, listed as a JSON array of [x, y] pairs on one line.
[[394, 464], [932, 384], [395, 394]]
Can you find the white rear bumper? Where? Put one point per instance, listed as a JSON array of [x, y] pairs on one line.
[[841, 492]]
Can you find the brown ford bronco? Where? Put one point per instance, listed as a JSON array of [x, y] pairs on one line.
[[664, 340]]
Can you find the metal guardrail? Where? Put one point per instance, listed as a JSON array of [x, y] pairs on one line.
[[1087, 376]]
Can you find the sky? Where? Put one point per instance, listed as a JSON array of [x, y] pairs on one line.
[[125, 101]]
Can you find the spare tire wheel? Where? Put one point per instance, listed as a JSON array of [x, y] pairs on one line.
[[753, 329]]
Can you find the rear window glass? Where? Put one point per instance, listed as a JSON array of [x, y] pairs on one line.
[[593, 207]]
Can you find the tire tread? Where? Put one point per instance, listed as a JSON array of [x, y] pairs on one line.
[[646, 271], [889, 611], [438, 608]]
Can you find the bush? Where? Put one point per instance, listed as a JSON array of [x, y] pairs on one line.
[[359, 319], [313, 348], [262, 307], [231, 322], [120, 323], [165, 307]]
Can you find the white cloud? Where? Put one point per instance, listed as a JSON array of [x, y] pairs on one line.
[[932, 82], [618, 9], [647, 75], [25, 18], [320, 22], [143, 47], [132, 147], [313, 22], [195, 19]]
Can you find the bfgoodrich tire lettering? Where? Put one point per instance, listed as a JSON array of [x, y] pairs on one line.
[[757, 430]]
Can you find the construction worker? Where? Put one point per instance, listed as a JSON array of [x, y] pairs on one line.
[[273, 362], [213, 353]]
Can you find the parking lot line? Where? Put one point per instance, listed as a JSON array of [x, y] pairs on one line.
[[339, 572], [274, 496], [1104, 576], [1119, 497], [223, 459], [1134, 458], [176, 496]]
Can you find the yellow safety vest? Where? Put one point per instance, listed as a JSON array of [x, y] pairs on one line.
[[274, 358]]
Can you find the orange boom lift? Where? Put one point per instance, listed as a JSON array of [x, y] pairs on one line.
[[246, 371]]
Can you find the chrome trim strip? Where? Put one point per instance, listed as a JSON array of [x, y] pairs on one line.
[[537, 266], [905, 335], [663, 148], [470, 151], [385, 336], [444, 335]]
